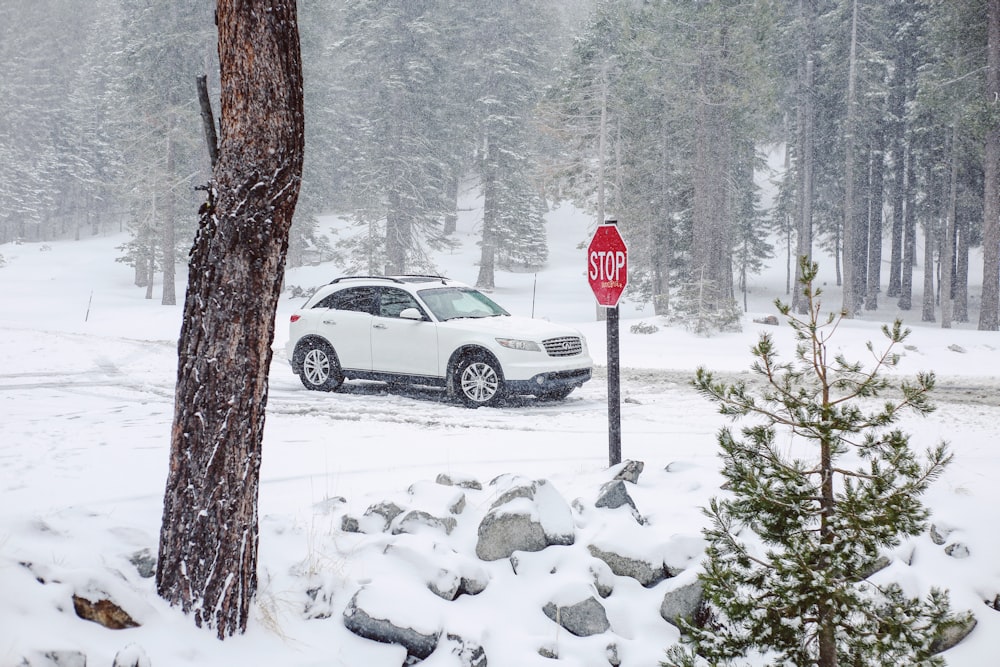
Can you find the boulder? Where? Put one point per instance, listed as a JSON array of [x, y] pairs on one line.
[[416, 521], [54, 659], [459, 481], [957, 550], [682, 602], [418, 642], [103, 612], [645, 572], [582, 619], [456, 651], [144, 562], [628, 471], [132, 655], [953, 633], [528, 516], [613, 495]]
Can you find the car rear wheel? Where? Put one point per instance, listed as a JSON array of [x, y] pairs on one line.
[[319, 369], [479, 381]]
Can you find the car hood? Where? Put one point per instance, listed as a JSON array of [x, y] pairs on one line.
[[513, 326]]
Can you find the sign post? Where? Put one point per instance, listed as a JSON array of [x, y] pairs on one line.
[[607, 273]]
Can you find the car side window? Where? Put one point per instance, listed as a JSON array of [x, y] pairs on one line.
[[394, 301], [359, 299]]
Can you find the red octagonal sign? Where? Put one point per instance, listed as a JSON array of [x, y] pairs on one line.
[[607, 265]]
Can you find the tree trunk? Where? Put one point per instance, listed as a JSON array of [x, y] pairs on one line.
[[488, 248], [850, 227], [989, 315], [948, 242], [168, 297], [909, 236], [875, 221], [927, 314], [208, 541]]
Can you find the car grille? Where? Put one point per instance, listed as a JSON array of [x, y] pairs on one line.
[[567, 346]]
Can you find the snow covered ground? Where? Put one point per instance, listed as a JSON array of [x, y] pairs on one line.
[[86, 373]]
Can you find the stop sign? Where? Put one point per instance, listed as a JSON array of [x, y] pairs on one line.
[[607, 265]]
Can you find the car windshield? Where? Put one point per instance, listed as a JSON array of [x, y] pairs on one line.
[[449, 303]]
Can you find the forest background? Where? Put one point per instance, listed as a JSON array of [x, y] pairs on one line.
[[656, 113]]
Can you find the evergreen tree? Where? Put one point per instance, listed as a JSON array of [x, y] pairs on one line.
[[510, 67], [789, 552]]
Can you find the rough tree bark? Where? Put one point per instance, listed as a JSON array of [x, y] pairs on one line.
[[208, 541], [989, 315]]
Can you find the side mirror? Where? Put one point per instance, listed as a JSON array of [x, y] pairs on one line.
[[411, 314]]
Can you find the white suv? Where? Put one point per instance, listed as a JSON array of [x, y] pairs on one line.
[[433, 331]]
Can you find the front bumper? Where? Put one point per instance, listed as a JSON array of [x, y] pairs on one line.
[[545, 382]]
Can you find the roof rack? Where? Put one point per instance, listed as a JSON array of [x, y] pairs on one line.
[[399, 279], [390, 278]]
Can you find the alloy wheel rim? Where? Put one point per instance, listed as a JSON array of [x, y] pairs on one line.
[[316, 366], [480, 382]]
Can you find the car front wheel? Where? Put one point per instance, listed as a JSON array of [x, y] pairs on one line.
[[319, 368], [479, 381]]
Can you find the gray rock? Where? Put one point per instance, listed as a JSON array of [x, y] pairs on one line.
[[501, 534], [646, 573], [387, 510], [582, 619], [939, 535], [953, 634], [132, 655], [611, 652], [550, 652], [529, 516], [461, 482], [957, 550], [877, 565], [144, 562], [682, 602], [54, 659], [604, 581], [629, 471], [613, 495], [417, 644], [349, 524], [417, 520], [466, 652]]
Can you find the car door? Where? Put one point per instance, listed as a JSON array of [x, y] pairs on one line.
[[345, 319], [401, 345]]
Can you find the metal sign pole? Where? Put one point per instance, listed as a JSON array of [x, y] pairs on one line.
[[614, 391]]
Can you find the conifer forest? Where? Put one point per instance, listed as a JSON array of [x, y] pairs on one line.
[[658, 113]]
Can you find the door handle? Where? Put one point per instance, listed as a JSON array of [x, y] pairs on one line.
[[378, 326], [329, 321]]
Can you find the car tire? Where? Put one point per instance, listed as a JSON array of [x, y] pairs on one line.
[[318, 366], [479, 380], [556, 394]]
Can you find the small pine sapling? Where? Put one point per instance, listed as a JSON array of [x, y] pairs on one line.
[[820, 485]]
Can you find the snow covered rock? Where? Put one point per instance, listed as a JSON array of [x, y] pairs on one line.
[[451, 479], [415, 521], [132, 655], [628, 471], [646, 572], [456, 651], [583, 619], [446, 572], [954, 634], [54, 659], [383, 619], [103, 612], [528, 516], [614, 495], [682, 602], [144, 562]]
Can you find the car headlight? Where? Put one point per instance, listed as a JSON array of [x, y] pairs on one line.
[[515, 344]]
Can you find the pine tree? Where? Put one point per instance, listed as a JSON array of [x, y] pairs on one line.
[[789, 551]]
